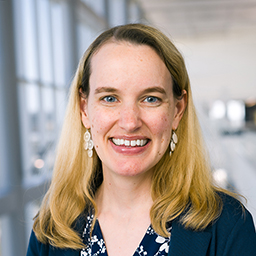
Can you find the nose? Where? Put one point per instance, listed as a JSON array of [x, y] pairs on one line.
[[130, 118]]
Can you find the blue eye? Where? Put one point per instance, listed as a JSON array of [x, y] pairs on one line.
[[151, 99], [110, 99]]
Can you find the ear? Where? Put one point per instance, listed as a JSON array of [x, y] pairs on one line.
[[84, 110], [180, 106]]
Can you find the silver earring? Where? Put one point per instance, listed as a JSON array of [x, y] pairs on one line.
[[173, 142], [88, 143]]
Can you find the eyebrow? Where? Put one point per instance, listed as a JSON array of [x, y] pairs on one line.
[[155, 89], [105, 89], [114, 90]]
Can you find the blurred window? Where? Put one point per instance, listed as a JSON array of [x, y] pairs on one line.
[[218, 110], [57, 17], [44, 42], [98, 6], [42, 81], [134, 13], [85, 37], [28, 41], [117, 12], [236, 111], [31, 210]]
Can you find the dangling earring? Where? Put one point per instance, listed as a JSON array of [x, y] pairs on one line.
[[173, 142], [88, 143]]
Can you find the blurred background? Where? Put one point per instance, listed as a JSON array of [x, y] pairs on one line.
[[41, 42]]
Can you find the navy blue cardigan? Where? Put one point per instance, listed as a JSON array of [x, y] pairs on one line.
[[233, 234]]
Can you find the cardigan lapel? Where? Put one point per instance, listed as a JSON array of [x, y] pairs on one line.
[[186, 242]]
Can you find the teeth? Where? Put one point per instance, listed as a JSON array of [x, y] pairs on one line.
[[133, 143], [128, 143]]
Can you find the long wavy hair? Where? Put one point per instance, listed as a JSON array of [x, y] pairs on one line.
[[182, 186]]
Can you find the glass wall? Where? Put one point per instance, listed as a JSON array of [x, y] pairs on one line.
[[42, 84], [41, 43]]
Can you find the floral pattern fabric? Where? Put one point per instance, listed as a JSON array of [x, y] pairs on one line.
[[152, 244]]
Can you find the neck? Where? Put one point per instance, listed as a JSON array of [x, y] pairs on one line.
[[124, 195]]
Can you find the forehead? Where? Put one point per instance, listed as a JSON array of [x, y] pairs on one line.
[[113, 49], [124, 58], [115, 45]]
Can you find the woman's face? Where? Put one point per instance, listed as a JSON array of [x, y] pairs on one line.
[[130, 110]]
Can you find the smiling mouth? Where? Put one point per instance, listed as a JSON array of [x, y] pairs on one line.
[[130, 143]]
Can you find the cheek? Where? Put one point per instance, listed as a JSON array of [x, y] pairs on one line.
[[161, 128], [100, 121], [161, 125]]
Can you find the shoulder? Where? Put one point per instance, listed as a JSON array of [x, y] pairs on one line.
[[233, 232], [233, 213], [36, 248]]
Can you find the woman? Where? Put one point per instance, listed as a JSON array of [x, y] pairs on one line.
[[131, 174]]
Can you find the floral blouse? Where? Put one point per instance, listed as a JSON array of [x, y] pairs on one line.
[[152, 244]]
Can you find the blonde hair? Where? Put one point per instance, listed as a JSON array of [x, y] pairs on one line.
[[181, 185]]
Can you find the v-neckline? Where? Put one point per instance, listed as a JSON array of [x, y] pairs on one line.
[[150, 244], [97, 227]]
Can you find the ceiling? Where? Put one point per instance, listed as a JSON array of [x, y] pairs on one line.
[[190, 18]]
